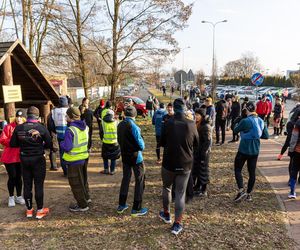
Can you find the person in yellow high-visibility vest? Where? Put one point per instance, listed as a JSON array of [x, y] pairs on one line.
[[75, 147], [110, 147]]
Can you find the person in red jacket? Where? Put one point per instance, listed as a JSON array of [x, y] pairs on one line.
[[270, 108], [262, 108], [11, 159]]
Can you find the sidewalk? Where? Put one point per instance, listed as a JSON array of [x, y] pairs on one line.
[[276, 172]]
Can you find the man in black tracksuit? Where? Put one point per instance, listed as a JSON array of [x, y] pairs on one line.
[[179, 137], [32, 138]]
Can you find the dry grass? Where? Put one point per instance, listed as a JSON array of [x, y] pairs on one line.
[[212, 223]]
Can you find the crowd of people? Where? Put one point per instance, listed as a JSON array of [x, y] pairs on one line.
[[183, 129]]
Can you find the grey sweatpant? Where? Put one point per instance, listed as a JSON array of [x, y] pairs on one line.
[[181, 180]]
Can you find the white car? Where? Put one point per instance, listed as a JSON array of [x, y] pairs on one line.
[[247, 93]]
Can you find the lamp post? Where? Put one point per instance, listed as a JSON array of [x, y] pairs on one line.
[[213, 73], [181, 77]]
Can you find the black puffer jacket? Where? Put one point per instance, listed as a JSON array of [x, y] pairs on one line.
[[109, 151], [179, 137], [235, 110], [201, 153]]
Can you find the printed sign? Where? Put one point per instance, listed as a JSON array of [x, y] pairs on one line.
[[12, 93]]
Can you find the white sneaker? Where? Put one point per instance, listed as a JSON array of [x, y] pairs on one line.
[[11, 201], [20, 200]]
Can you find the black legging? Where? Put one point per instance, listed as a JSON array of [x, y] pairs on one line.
[[34, 171], [239, 162], [14, 172], [220, 125]]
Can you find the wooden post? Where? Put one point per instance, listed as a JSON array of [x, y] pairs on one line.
[[45, 111], [9, 108]]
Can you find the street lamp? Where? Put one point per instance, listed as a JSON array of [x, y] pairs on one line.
[[213, 73], [181, 77], [188, 47]]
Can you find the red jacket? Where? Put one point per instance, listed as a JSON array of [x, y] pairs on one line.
[[262, 108], [270, 107], [9, 155]]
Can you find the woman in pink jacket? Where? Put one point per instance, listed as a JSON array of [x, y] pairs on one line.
[[11, 159]]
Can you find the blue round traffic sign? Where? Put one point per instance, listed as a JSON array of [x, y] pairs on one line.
[[257, 79]]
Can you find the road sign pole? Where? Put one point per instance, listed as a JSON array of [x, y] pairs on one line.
[[181, 85]]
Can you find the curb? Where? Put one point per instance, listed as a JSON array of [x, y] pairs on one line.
[[281, 205]]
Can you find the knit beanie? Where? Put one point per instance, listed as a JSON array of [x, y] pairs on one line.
[[73, 113], [63, 101], [178, 105], [33, 112], [130, 111], [20, 113], [250, 106]]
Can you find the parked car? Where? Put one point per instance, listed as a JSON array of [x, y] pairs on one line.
[[249, 93], [139, 104]]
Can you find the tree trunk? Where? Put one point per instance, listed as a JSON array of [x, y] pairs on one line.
[[114, 76], [31, 27], [81, 52], [9, 108], [25, 16]]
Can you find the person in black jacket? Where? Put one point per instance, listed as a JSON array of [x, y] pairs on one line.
[[201, 153], [87, 116], [179, 137], [235, 112], [132, 144], [97, 112], [221, 116], [33, 138]]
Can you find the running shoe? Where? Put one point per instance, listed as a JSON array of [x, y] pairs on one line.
[[42, 213], [159, 161], [11, 201], [121, 209], [29, 213], [292, 195], [240, 196], [249, 197], [20, 200], [141, 212], [105, 171], [77, 208], [176, 228], [164, 217]]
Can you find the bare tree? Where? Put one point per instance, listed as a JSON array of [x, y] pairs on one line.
[[71, 27], [243, 67], [137, 30], [31, 21], [200, 77]]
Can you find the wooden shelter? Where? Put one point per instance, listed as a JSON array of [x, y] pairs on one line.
[[17, 67]]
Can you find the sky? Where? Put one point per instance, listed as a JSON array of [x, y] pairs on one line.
[[267, 28]]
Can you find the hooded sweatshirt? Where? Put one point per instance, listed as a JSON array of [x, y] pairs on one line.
[[67, 144], [157, 120]]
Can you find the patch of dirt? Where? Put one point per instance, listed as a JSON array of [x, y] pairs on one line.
[[211, 223]]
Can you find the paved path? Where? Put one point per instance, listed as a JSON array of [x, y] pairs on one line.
[[276, 173]]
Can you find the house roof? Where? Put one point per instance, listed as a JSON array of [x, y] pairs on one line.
[[74, 83], [34, 85]]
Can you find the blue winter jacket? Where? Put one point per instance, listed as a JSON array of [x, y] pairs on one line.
[[251, 130], [157, 120]]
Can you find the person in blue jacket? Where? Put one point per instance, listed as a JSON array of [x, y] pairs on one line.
[[251, 129], [132, 145], [157, 121]]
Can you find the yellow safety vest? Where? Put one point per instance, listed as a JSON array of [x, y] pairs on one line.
[[80, 145], [109, 132], [103, 112]]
